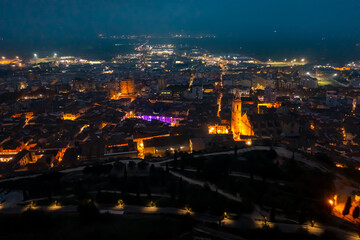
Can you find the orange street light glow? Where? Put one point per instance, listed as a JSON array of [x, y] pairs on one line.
[[152, 204], [188, 210], [55, 206], [120, 204]]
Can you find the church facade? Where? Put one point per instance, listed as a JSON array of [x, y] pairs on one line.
[[240, 124]]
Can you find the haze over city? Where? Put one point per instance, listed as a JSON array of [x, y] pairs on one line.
[[313, 27]]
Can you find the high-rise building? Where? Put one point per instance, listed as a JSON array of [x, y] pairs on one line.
[[161, 84], [127, 87]]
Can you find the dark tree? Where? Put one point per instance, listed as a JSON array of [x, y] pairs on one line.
[[273, 214], [182, 163], [25, 195], [125, 174], [172, 191], [152, 168], [149, 192], [163, 178], [251, 178], [175, 164], [302, 217], [272, 154], [356, 212], [48, 161], [137, 195], [143, 165], [198, 169], [49, 192], [181, 188], [132, 165], [347, 207]]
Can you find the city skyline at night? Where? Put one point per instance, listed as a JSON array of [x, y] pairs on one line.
[[182, 120]]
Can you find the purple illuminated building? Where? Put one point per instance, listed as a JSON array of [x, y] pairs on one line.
[[169, 120]]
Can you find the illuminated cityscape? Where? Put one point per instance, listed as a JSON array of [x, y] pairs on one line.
[[173, 128]]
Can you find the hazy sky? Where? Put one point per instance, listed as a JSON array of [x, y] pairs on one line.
[[248, 19]]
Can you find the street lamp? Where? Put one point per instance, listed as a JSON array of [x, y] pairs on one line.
[[56, 205], [188, 209], [152, 204], [120, 204], [265, 221], [31, 205], [312, 223]]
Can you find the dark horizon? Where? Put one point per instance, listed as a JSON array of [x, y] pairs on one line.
[[250, 20]]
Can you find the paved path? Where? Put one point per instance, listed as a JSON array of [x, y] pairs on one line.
[[212, 187], [246, 175]]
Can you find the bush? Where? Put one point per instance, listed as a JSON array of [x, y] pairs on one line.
[[88, 211], [119, 165], [35, 218]]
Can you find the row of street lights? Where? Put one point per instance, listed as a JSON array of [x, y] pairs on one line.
[[36, 56], [3, 57]]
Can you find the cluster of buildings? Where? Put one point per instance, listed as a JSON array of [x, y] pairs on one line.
[[162, 99]]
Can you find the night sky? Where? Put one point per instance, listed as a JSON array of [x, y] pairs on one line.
[[247, 19], [321, 30]]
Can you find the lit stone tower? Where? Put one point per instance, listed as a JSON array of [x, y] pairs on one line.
[[240, 124], [235, 116], [354, 106]]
